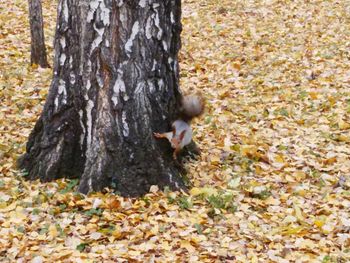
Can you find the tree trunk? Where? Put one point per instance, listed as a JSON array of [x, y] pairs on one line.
[[38, 50], [115, 82]]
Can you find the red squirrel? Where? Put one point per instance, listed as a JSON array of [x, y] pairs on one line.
[[181, 134]]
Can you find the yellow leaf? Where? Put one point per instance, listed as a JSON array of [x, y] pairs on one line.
[[165, 246], [64, 254], [214, 160], [313, 95], [254, 259], [292, 230], [343, 138], [53, 231], [319, 223], [249, 151], [279, 158], [113, 203], [332, 100], [134, 253], [205, 191], [187, 245], [299, 175], [331, 160], [298, 213], [343, 125], [237, 65], [11, 207]]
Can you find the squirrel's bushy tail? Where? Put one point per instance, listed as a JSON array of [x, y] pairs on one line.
[[192, 106]]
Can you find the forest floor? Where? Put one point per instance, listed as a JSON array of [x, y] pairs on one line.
[[273, 181]]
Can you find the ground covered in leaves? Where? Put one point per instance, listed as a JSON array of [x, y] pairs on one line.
[[272, 183]]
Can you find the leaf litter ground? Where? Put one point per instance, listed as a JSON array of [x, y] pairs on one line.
[[272, 183]]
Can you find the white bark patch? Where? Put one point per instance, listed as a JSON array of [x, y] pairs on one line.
[[140, 87], [105, 13], [148, 29], [100, 81], [84, 12], [150, 86], [93, 6], [160, 84], [88, 85], [82, 126], [172, 181], [62, 59], [89, 107], [104, 16], [62, 90], [115, 100], [65, 11], [154, 65], [125, 125], [135, 30], [157, 24], [56, 103], [99, 78], [170, 177], [143, 3], [59, 10], [119, 86], [63, 42], [72, 78], [90, 182], [165, 45], [97, 41], [123, 15], [88, 66], [172, 19], [70, 61]]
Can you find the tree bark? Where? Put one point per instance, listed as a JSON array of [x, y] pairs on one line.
[[115, 81], [38, 50]]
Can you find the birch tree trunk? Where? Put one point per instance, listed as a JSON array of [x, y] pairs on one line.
[[37, 50], [115, 81]]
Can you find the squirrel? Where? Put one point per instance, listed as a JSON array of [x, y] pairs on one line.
[[181, 134]]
